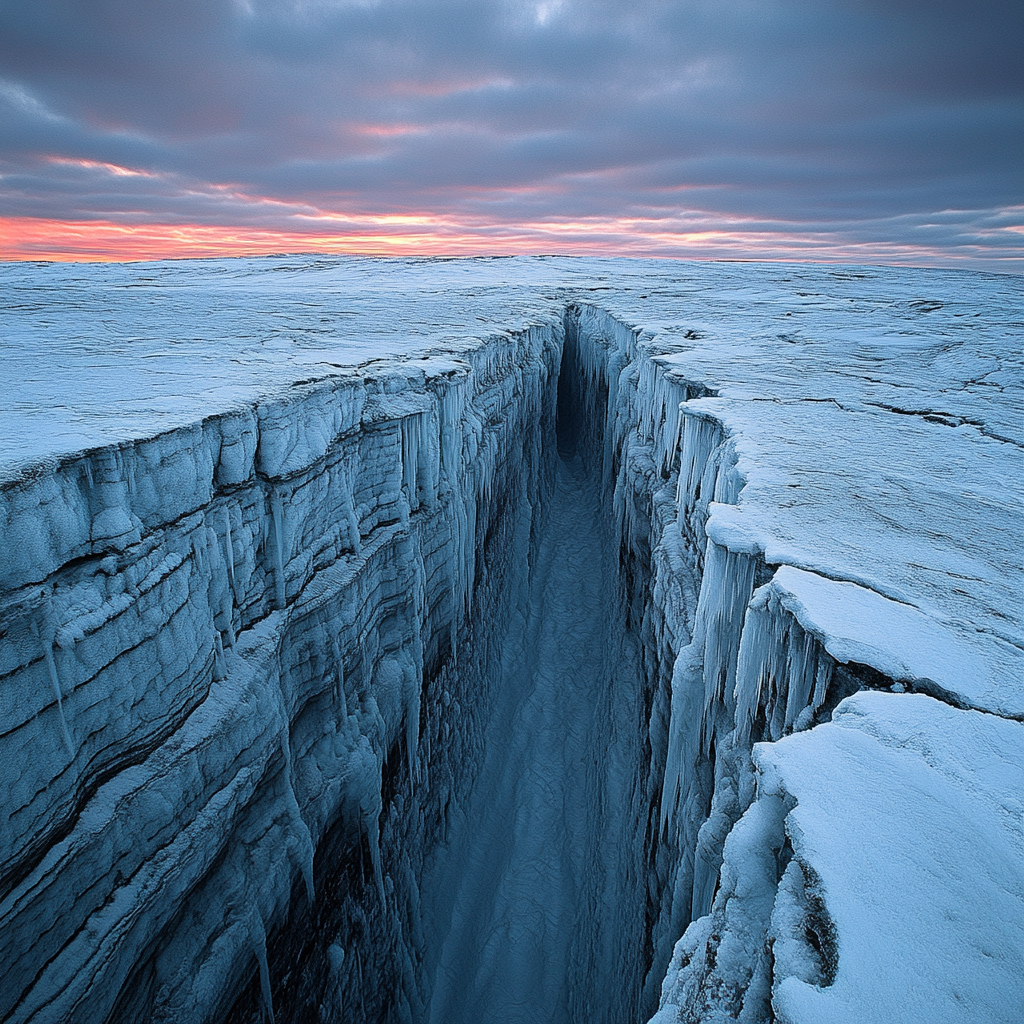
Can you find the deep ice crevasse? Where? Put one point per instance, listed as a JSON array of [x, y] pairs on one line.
[[368, 506]]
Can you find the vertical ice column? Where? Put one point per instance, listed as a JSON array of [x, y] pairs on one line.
[[277, 520], [339, 682], [658, 417], [783, 672], [366, 780], [229, 552], [259, 934], [113, 526], [348, 478], [300, 831], [220, 590], [410, 431], [45, 633], [726, 588], [419, 459]]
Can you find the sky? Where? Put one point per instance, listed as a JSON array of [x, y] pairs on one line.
[[870, 131]]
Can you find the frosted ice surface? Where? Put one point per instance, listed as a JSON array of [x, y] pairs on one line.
[[104, 353], [931, 801]]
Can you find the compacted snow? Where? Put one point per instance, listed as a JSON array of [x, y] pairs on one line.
[[511, 640]]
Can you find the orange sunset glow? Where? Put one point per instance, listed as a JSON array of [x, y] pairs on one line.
[[425, 235], [780, 131]]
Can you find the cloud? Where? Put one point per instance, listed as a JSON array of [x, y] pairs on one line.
[[852, 120]]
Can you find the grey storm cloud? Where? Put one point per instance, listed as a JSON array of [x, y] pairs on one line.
[[863, 118]]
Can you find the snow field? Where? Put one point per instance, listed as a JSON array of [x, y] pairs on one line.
[[249, 660]]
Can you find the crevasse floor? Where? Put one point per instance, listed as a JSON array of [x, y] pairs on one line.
[[526, 875]]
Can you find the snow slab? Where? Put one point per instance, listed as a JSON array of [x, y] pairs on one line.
[[858, 625], [924, 867]]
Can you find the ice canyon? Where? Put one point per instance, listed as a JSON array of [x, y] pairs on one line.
[[511, 641]]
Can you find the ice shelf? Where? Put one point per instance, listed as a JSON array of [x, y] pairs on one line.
[[516, 639]]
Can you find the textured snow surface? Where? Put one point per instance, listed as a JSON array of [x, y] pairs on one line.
[[291, 568], [931, 826]]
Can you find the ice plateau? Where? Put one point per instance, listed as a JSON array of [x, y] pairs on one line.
[[511, 641]]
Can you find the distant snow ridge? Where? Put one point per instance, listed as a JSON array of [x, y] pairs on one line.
[[492, 641]]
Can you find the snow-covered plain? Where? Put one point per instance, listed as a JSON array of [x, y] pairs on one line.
[[327, 685]]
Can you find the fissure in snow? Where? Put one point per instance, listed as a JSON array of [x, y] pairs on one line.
[[512, 681]]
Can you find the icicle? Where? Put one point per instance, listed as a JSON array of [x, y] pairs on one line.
[[302, 835], [88, 473], [822, 681], [412, 722], [373, 834], [724, 595], [220, 586], [800, 675], [685, 680], [260, 949], [200, 552], [354, 538], [229, 555], [45, 633], [228, 610], [339, 684], [750, 669], [219, 666], [451, 419], [670, 438], [410, 432], [366, 776], [51, 666], [277, 517], [697, 470]]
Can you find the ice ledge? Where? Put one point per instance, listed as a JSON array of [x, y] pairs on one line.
[[921, 869], [857, 625], [961, 664], [874, 879]]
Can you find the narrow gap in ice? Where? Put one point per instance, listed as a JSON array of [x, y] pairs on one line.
[[533, 915]]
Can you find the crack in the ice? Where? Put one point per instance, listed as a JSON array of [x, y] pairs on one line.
[[947, 419]]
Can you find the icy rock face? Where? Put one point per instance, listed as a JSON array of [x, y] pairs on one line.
[[739, 651]]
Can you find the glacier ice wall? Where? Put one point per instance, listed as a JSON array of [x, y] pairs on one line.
[[773, 868], [251, 666], [230, 631]]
